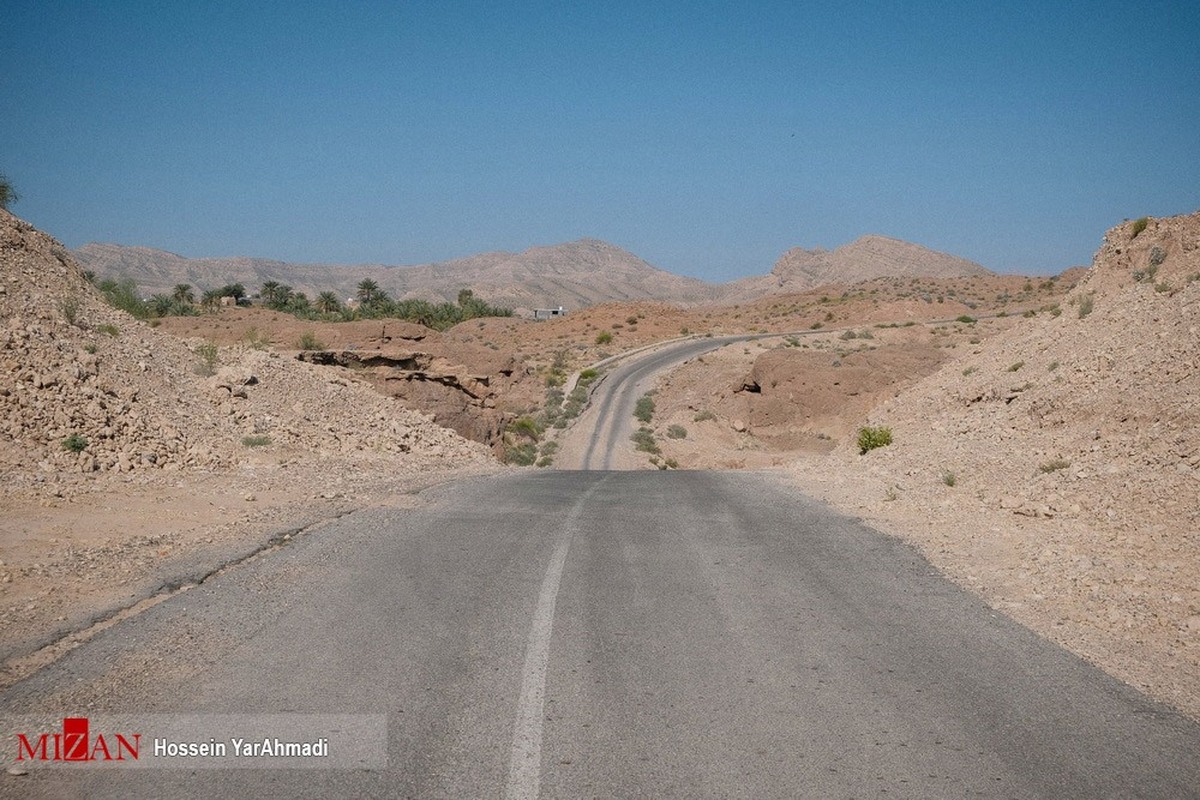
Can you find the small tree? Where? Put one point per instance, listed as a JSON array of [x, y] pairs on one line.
[[8, 195], [235, 290]]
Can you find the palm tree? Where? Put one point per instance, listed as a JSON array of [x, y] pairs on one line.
[[368, 292], [328, 303], [211, 299], [183, 294], [269, 293]]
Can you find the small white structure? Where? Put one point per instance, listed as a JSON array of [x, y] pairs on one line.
[[549, 313]]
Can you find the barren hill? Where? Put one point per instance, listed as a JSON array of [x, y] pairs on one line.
[[1079, 429], [574, 274], [863, 259]]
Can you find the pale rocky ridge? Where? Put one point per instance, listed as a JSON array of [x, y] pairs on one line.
[[574, 275], [865, 258]]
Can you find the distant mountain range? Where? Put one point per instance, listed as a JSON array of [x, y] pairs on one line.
[[573, 275]]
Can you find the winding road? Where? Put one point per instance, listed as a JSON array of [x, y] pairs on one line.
[[601, 633]]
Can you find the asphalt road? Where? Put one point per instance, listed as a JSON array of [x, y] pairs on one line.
[[616, 634], [600, 439], [619, 634]]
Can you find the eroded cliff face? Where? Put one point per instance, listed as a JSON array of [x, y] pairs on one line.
[[468, 403]]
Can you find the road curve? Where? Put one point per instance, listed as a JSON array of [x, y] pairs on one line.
[[619, 634], [603, 431]]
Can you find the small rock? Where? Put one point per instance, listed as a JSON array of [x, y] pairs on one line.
[[250, 498]]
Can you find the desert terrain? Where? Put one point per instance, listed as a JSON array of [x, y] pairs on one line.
[[1043, 452]]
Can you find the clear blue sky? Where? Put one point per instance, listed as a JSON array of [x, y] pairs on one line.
[[705, 137]]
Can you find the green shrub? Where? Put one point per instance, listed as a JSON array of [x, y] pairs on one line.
[[644, 410], [949, 478], [704, 415], [69, 306], [966, 319], [8, 195], [676, 432], [309, 341], [74, 443], [110, 329], [527, 427], [588, 374], [208, 358], [643, 438], [259, 440], [604, 337], [256, 340], [870, 438], [1086, 302], [523, 455], [124, 295], [1138, 226]]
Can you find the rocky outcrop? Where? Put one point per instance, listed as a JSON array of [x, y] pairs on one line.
[[456, 398]]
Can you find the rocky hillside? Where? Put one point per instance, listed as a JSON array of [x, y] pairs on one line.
[[87, 388], [863, 259], [573, 275], [1107, 385], [1082, 422]]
